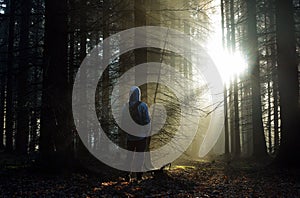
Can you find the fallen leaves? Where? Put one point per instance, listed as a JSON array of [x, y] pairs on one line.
[[110, 183], [197, 179]]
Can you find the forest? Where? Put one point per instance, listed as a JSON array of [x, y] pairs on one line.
[[220, 77]]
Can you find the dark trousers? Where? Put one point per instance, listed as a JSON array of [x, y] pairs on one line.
[[137, 146]]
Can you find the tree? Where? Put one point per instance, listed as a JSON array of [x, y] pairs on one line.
[[9, 119], [225, 88], [22, 110], [288, 85], [237, 150], [3, 59], [259, 145], [56, 134]]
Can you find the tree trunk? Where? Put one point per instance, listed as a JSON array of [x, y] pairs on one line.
[[80, 147], [275, 82], [105, 77], [56, 131], [269, 118], [9, 119], [22, 110], [231, 119], [236, 118], [140, 56], [275, 97], [288, 85], [259, 143], [71, 67], [226, 121], [2, 99], [35, 103], [2, 103], [226, 129], [105, 83], [235, 86], [230, 112], [3, 67]]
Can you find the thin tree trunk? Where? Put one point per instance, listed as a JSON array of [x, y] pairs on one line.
[[71, 67], [22, 110], [259, 145], [235, 86], [82, 151], [34, 99], [10, 66], [2, 103], [34, 114], [269, 79], [105, 76], [230, 91], [33, 127], [275, 81], [140, 56], [225, 88], [3, 73], [71, 52], [236, 119], [226, 121], [275, 97], [105, 83], [269, 118], [231, 119]]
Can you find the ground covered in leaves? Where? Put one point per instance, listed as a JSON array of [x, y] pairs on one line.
[[205, 178]]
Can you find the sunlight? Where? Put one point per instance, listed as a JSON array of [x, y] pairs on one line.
[[228, 64]]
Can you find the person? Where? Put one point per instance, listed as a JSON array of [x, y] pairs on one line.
[[136, 141]]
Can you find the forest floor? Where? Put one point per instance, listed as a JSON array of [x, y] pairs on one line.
[[185, 178]]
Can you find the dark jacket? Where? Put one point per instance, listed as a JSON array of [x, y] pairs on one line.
[[140, 130]]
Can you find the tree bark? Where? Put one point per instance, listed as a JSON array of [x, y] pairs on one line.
[[259, 143], [288, 85], [275, 98], [237, 141], [9, 119], [140, 56], [2, 103], [22, 132], [274, 80], [226, 129], [56, 115]]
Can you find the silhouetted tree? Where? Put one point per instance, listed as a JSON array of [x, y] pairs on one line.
[[288, 85], [56, 127], [259, 145], [9, 118], [22, 133]]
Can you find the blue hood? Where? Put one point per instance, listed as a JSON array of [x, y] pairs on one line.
[[134, 95]]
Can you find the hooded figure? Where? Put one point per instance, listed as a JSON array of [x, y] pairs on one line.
[[136, 122], [139, 114]]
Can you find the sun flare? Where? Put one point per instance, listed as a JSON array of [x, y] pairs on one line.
[[228, 64]]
